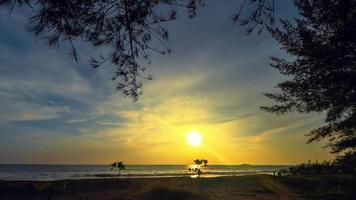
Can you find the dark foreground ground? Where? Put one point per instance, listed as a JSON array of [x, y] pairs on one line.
[[253, 187]]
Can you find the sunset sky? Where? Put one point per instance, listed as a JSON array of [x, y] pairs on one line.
[[53, 110]]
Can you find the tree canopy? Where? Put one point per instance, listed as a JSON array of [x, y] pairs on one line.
[[118, 165], [259, 16], [199, 165], [322, 69], [125, 27]]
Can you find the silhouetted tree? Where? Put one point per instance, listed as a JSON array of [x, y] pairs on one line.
[[125, 27], [312, 168], [347, 163], [199, 165], [201, 162], [322, 69], [118, 165], [259, 15]]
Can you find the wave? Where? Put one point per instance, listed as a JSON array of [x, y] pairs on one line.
[[60, 172]]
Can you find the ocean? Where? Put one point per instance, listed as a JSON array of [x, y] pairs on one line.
[[59, 172]]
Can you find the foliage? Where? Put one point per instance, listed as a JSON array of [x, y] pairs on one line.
[[125, 27], [346, 163], [260, 16], [120, 166], [199, 164], [322, 69], [342, 165], [311, 168]]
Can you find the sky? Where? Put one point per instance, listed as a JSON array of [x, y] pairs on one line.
[[54, 110]]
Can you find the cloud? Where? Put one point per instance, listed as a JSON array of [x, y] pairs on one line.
[[42, 113], [232, 119], [213, 82], [109, 123], [26, 98], [23, 111]]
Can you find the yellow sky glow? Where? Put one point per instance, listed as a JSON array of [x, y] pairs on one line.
[[157, 134]]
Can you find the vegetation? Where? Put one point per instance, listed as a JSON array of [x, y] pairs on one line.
[[259, 16], [345, 165], [120, 166], [312, 168], [322, 69], [199, 165], [124, 27]]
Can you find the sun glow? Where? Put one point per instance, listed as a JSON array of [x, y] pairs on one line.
[[194, 138]]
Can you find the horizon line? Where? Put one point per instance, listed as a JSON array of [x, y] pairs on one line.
[[137, 164]]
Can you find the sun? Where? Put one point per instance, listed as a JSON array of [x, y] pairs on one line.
[[194, 138]]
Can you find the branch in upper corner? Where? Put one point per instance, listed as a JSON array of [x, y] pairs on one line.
[[126, 27], [255, 15]]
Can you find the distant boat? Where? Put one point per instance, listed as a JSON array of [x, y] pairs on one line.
[[245, 165]]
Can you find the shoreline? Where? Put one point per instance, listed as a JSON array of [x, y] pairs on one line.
[[143, 176], [58, 172], [128, 176]]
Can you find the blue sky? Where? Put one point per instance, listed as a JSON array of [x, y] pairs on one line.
[[56, 110]]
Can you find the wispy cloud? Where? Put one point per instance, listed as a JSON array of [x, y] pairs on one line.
[[212, 83]]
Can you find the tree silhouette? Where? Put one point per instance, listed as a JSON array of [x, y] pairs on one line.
[[259, 15], [322, 69], [119, 166], [126, 27], [199, 165]]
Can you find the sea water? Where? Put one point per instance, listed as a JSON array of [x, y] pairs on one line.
[[58, 172]]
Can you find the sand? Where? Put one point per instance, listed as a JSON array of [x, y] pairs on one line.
[[252, 187]]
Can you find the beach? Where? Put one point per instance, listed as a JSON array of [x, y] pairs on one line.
[[248, 187], [28, 172]]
